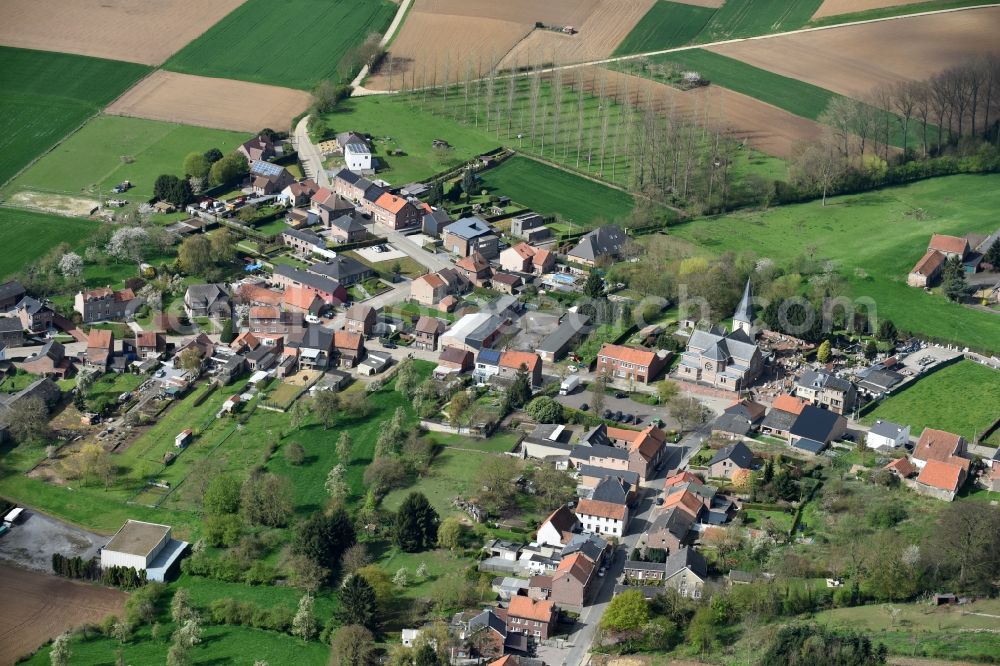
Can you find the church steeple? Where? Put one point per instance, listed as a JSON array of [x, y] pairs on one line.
[[743, 318]]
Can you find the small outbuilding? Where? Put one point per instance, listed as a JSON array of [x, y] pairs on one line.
[[145, 547]]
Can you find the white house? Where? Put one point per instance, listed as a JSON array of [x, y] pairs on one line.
[[358, 157], [604, 518], [886, 435], [558, 528], [144, 547], [409, 637]]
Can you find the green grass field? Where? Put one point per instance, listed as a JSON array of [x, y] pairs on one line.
[[746, 18], [874, 239], [398, 126], [961, 398], [26, 236], [110, 149], [47, 95], [551, 191], [295, 43], [666, 25]]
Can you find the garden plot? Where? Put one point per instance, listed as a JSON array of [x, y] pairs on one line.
[[131, 30]]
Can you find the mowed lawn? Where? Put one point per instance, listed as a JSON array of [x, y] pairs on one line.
[[874, 239], [551, 191], [293, 43], [110, 149], [26, 236], [666, 25], [961, 398], [44, 96], [398, 125], [746, 18]]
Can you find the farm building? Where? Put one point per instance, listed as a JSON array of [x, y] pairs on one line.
[[144, 547]]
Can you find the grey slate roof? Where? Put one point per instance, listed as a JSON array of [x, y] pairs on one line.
[[590, 545], [469, 228], [601, 451], [206, 295], [10, 325], [739, 453], [313, 280], [815, 423], [596, 436], [570, 326], [777, 419], [631, 478], [744, 311], [348, 223], [340, 268], [606, 240], [686, 558], [12, 289], [305, 236], [347, 176], [30, 305], [886, 429], [488, 620], [639, 565], [674, 520], [721, 347], [822, 379], [610, 490]]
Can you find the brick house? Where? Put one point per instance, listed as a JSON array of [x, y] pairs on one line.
[[471, 234], [104, 304], [511, 362], [427, 332], [395, 212], [330, 291], [360, 319], [100, 348], [630, 364], [533, 617]]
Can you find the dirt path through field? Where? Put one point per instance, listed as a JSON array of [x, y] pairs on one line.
[[36, 607], [207, 102], [132, 30], [852, 60]]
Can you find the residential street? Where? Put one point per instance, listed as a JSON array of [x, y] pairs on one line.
[[640, 522]]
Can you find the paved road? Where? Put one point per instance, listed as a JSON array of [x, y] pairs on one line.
[[432, 261], [397, 20], [309, 155], [591, 616]]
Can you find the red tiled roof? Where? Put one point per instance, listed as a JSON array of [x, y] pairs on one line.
[[929, 263], [345, 340], [258, 294], [562, 519], [99, 338], [901, 466], [264, 312], [514, 359], [950, 244], [642, 357], [541, 256], [524, 250], [432, 279], [936, 445], [942, 475], [147, 339], [525, 607], [391, 202], [577, 566], [683, 477], [587, 507], [789, 403], [298, 297], [686, 500]]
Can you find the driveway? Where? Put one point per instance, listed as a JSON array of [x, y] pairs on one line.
[[32, 541]]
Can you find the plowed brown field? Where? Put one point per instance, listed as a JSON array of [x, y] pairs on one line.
[[133, 30], [603, 30], [767, 128], [835, 7], [851, 60], [36, 607], [207, 102], [443, 38]]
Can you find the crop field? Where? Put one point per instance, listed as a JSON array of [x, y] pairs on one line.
[[836, 7], [604, 27], [479, 33], [26, 236], [797, 97], [930, 401], [873, 240], [36, 607], [116, 149], [551, 191], [867, 10], [235, 105], [396, 125], [48, 95], [131, 30], [295, 43], [667, 24], [852, 60], [757, 17]]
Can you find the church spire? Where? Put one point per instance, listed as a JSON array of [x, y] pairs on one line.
[[744, 317]]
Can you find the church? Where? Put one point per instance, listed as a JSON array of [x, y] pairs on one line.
[[728, 361]]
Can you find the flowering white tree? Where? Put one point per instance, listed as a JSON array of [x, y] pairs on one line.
[[127, 243], [71, 265]]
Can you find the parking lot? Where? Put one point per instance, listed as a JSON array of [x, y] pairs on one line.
[[924, 359], [31, 542], [384, 252]]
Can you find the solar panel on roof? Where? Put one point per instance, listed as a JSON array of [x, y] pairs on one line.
[[265, 169]]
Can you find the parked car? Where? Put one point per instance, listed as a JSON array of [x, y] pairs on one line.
[[627, 418], [637, 420], [618, 415], [659, 501], [608, 413], [621, 394], [584, 407]]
